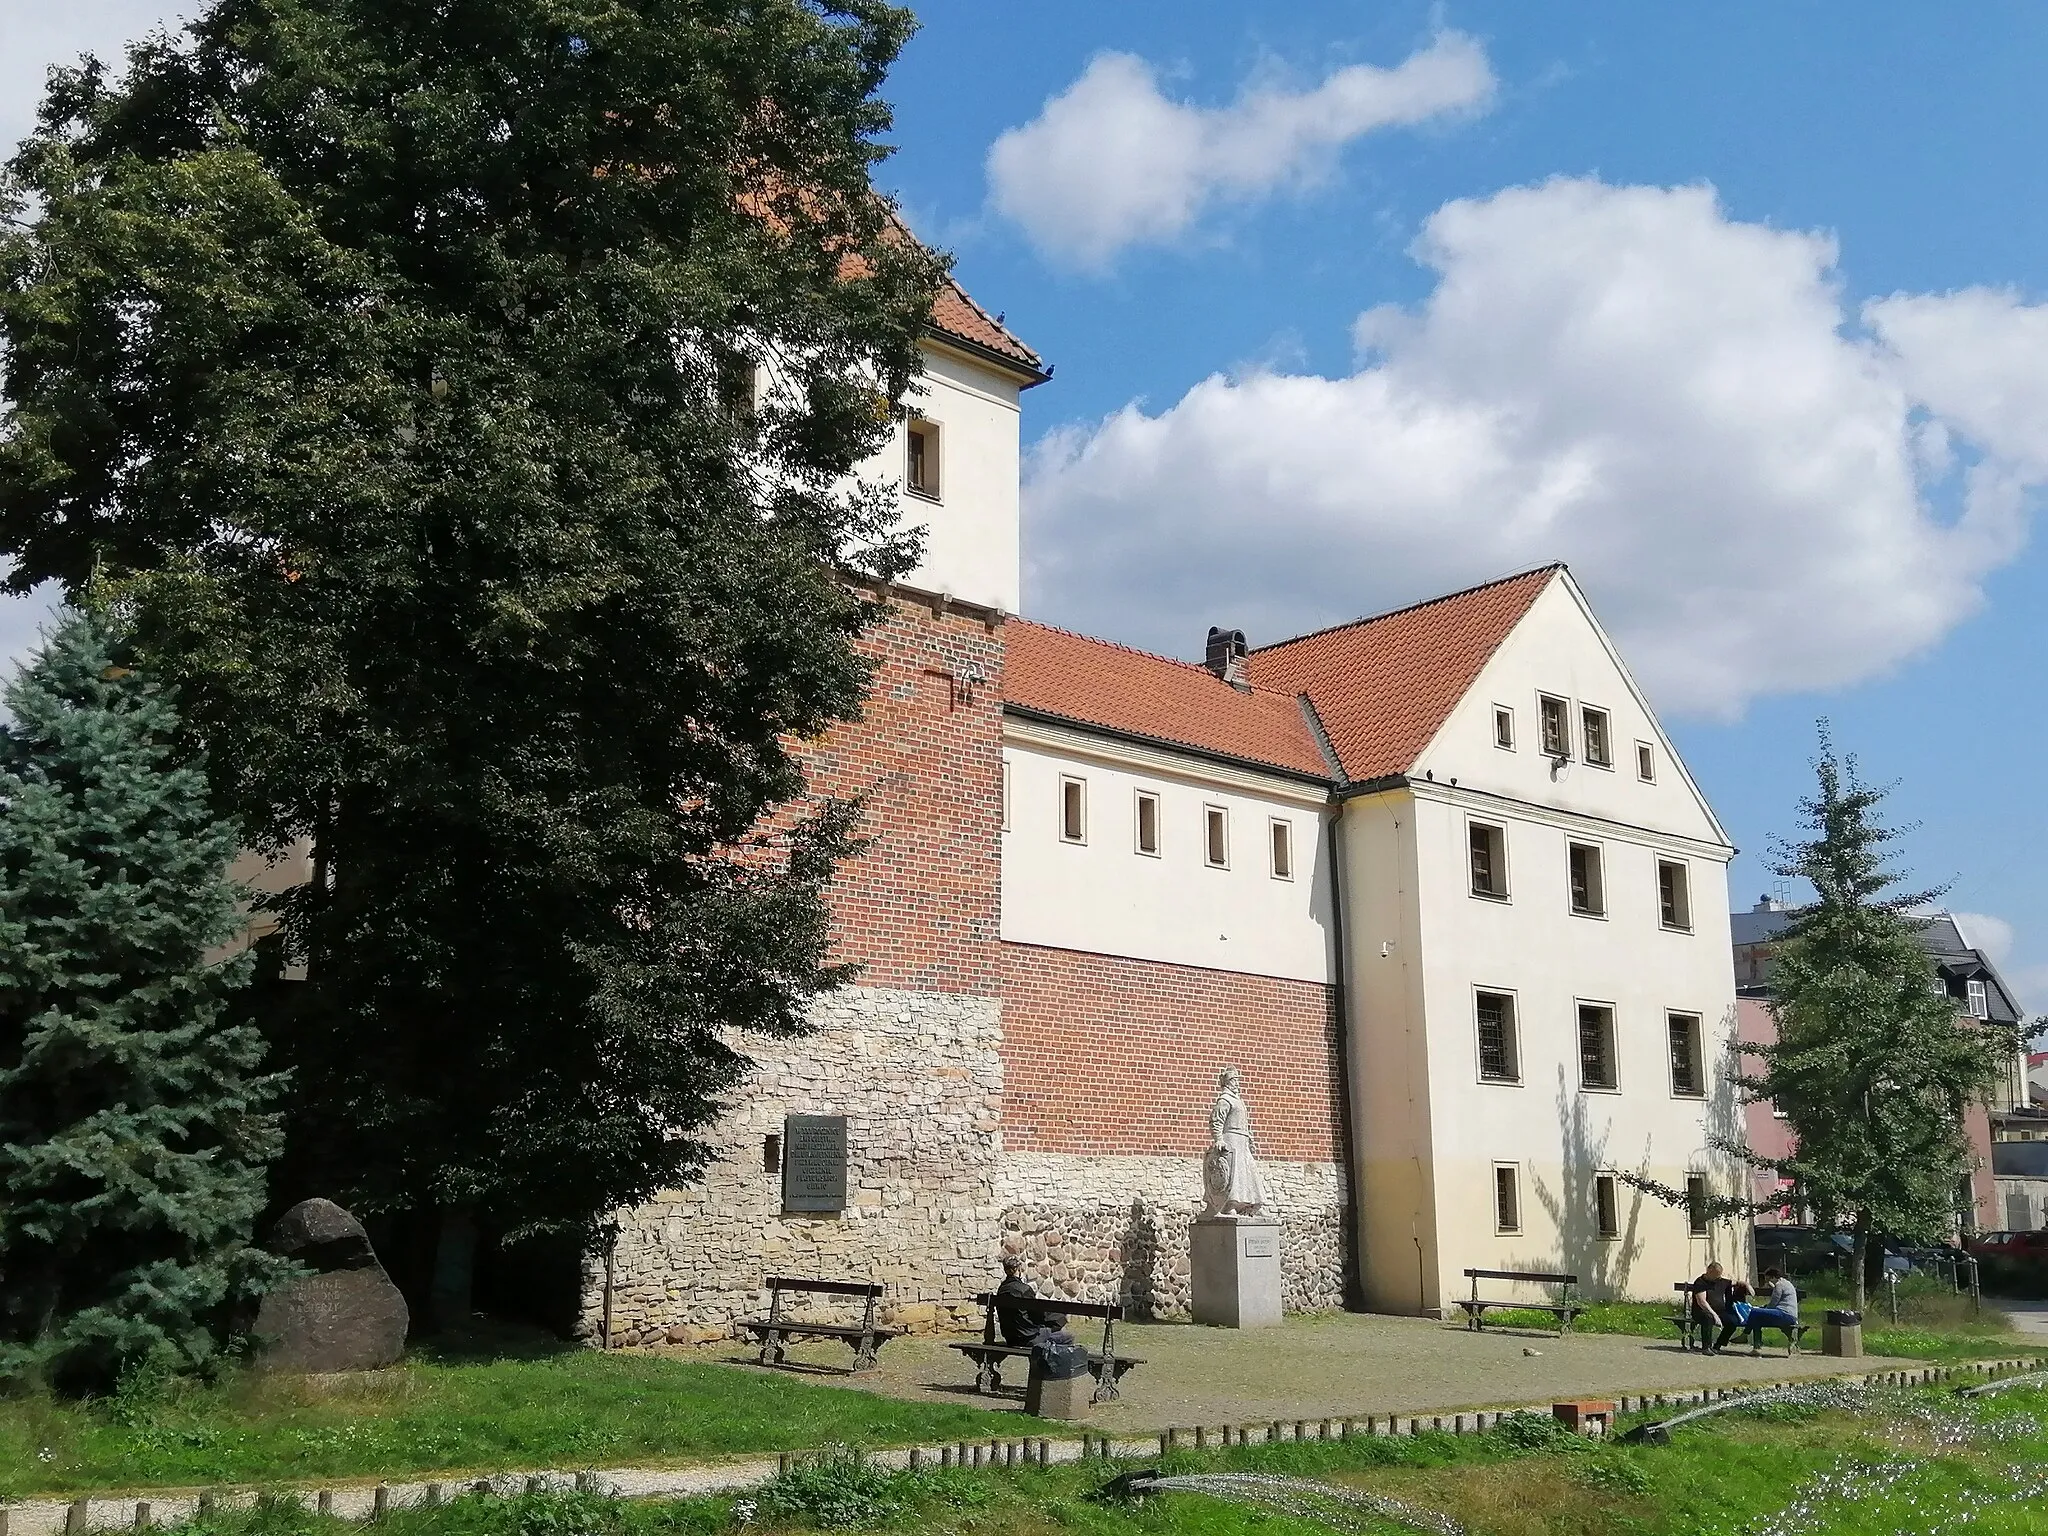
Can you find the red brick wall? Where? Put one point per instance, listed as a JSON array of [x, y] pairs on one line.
[[1107, 1055], [921, 908]]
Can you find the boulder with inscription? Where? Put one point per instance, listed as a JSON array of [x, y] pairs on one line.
[[346, 1315]]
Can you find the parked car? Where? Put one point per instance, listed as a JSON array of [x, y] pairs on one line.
[[2009, 1245]]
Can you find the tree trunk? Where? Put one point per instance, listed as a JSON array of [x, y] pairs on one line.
[[454, 1269], [1857, 1289]]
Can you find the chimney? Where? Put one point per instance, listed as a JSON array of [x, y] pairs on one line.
[[1227, 652]]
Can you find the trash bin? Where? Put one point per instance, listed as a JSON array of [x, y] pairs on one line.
[[1841, 1333]]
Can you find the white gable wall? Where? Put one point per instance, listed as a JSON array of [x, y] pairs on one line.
[[1421, 953], [971, 530]]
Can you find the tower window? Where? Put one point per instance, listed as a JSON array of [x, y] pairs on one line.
[[921, 466]]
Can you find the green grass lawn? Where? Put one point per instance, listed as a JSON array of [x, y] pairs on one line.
[[571, 1408], [1901, 1461]]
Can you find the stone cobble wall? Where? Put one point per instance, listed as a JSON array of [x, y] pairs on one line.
[[1116, 1228], [919, 1078]]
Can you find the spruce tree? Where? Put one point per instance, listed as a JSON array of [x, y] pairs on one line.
[[134, 1120], [463, 398], [1874, 1065]]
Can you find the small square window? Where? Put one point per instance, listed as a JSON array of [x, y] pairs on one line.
[[1147, 823], [1283, 849], [1594, 732], [1674, 895], [1507, 1199], [1557, 729], [1596, 1047], [1073, 810], [921, 460], [1504, 727], [1588, 880], [1489, 861], [1688, 1070], [1216, 836], [1696, 1204], [1646, 762], [1606, 1206], [1499, 1050]]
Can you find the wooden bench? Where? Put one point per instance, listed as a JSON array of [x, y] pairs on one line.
[[1564, 1309], [865, 1336], [1686, 1321], [1105, 1364]]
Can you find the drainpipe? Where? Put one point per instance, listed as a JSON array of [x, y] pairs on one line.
[[1354, 1258]]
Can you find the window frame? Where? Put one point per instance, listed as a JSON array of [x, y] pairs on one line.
[[1697, 1052], [1279, 840], [1597, 887], [1511, 1038], [1606, 1206], [1586, 714], [1004, 790], [1697, 1222], [1563, 753], [1683, 904], [1504, 715], [1499, 855], [1646, 758], [1075, 782], [1214, 816], [1140, 798], [933, 487], [1977, 998], [1612, 1044], [1513, 1186]]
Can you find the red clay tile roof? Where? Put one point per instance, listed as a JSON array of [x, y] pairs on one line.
[[1093, 682], [958, 316], [1383, 686]]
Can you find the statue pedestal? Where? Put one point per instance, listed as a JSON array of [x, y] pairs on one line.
[[1234, 1270]]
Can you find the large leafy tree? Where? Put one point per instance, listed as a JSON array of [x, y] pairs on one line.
[[135, 1124], [460, 397], [1874, 1065]]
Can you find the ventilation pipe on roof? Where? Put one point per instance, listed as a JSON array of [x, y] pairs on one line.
[[1227, 651]]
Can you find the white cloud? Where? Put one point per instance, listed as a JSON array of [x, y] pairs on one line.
[[39, 35], [1111, 162], [1758, 498], [1981, 930]]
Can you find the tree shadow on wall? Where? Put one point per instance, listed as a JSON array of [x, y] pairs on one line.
[[1603, 1264], [1140, 1255]]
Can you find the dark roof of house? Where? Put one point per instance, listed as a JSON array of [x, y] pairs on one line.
[[1940, 936]]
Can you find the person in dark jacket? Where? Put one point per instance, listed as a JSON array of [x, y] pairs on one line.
[[1020, 1313]]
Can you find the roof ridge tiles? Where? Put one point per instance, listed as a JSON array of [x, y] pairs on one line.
[[1427, 602]]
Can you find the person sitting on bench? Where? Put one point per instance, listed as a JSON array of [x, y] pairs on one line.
[[1711, 1294], [1781, 1311], [1023, 1319]]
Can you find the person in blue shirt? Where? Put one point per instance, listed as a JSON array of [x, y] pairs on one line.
[[1780, 1310]]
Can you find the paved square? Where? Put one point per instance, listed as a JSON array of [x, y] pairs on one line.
[[1333, 1366]]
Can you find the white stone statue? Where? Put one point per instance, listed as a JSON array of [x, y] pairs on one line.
[[1231, 1185]]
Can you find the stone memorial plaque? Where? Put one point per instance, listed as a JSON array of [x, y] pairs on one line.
[[814, 1163], [1261, 1245]]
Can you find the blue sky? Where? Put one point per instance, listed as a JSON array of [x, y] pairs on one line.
[[1736, 308]]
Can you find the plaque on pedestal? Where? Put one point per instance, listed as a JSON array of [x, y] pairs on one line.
[[1234, 1270]]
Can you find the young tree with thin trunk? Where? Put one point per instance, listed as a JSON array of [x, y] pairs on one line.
[[135, 1124], [462, 398], [1874, 1065]]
